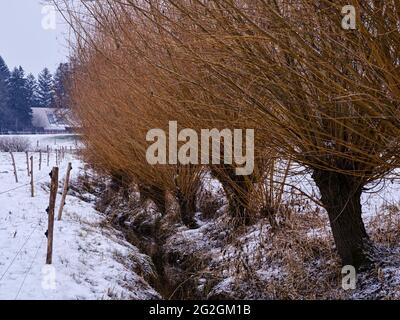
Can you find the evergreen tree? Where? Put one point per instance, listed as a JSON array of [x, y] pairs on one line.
[[20, 100], [61, 97], [33, 88], [46, 89], [4, 96]]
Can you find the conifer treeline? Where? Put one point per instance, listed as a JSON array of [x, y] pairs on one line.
[[19, 93]]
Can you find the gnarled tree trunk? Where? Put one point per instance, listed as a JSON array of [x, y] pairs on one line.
[[187, 207], [156, 194], [120, 181], [341, 197], [238, 191]]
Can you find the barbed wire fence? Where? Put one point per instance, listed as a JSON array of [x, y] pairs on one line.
[[60, 156]]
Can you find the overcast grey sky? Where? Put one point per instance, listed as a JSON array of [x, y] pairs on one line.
[[24, 41]]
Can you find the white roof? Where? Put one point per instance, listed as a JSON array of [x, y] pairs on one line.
[[48, 119]]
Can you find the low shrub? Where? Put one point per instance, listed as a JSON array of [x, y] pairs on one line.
[[14, 144]]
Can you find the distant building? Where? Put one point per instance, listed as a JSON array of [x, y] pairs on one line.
[[50, 120]]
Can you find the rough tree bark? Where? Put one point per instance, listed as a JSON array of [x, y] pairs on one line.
[[341, 197], [187, 207], [237, 189], [120, 181], [156, 194]]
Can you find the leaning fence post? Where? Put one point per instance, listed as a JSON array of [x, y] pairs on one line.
[[65, 191], [32, 184], [15, 167], [52, 203]]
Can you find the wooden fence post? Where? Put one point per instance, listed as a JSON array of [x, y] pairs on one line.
[[65, 191], [32, 184], [40, 160], [52, 203], [15, 167], [27, 162], [48, 155]]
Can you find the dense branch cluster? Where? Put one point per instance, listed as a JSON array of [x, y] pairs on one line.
[[316, 94]]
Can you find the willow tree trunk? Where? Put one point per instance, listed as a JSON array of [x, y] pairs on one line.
[[155, 194], [187, 208], [341, 197], [121, 181], [238, 191]]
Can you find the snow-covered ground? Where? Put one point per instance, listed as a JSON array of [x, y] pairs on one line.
[[89, 261], [93, 261]]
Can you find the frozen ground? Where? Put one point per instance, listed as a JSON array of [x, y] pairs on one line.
[[92, 261], [89, 261]]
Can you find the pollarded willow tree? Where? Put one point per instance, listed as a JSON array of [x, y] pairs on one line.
[[136, 73], [326, 97], [120, 93], [329, 96]]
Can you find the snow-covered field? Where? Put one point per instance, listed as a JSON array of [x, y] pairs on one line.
[[54, 141], [89, 261]]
